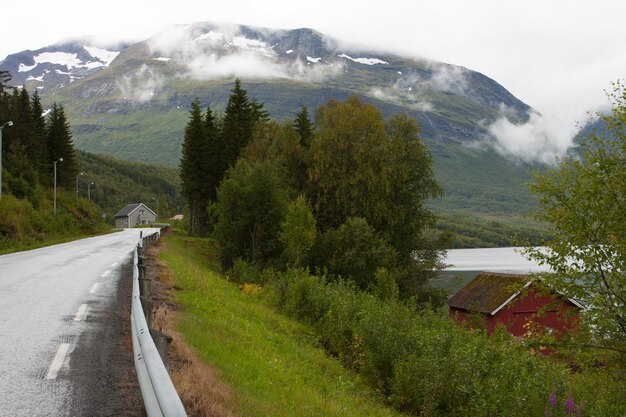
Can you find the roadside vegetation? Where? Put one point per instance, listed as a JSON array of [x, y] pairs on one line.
[[33, 145], [416, 361], [271, 365], [328, 220]]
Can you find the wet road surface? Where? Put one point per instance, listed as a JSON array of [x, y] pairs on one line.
[[64, 329]]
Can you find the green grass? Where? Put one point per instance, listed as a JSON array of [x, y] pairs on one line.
[[273, 364]]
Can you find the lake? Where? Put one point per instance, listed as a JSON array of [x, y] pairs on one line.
[[465, 264]]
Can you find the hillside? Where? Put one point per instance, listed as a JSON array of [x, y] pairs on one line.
[[132, 101], [117, 183]]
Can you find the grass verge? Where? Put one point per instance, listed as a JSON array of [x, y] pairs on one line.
[[271, 364]]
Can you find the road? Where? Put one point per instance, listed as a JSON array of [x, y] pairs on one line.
[[62, 311]]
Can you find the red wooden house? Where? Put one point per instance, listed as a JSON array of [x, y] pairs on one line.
[[517, 302]]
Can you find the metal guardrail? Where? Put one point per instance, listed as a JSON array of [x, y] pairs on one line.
[[158, 392]]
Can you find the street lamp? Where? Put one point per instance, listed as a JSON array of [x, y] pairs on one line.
[[82, 173], [89, 190], [9, 123], [55, 184]]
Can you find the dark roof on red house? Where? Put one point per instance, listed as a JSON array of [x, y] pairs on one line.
[[488, 291], [491, 291]]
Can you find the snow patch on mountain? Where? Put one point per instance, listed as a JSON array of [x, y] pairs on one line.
[[162, 59], [25, 68], [102, 55], [313, 60], [211, 36], [365, 61], [60, 58]]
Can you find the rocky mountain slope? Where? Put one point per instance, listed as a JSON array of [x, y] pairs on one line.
[[131, 101]]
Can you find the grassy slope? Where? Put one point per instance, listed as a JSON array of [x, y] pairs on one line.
[[272, 363]]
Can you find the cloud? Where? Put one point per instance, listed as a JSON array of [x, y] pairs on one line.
[[216, 51], [402, 97], [245, 64], [544, 138], [141, 85], [448, 78], [440, 77]]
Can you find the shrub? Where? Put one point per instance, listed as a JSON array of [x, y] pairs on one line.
[[353, 251], [427, 366]]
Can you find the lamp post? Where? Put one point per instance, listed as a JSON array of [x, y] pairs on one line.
[[9, 123], [82, 173], [89, 190], [55, 184]]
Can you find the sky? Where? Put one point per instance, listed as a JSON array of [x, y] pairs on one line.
[[558, 56]]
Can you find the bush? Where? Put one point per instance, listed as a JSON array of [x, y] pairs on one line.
[[243, 272], [353, 251], [426, 365]]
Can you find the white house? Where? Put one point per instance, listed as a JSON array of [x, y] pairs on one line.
[[134, 214]]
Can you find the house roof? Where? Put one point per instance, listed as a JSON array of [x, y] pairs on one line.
[[489, 292], [128, 209]]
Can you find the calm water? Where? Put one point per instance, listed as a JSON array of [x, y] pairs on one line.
[[465, 264]]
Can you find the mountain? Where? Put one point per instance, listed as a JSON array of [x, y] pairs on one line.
[[132, 101]]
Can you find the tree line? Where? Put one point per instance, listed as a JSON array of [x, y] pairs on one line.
[[343, 191], [32, 145]]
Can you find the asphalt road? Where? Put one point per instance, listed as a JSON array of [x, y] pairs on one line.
[[64, 312]]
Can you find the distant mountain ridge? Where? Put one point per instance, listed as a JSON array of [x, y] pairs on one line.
[[131, 101]]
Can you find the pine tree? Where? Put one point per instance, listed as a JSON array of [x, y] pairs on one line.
[[214, 152], [259, 114], [237, 125], [302, 124], [5, 77], [18, 152], [59, 145], [194, 170], [39, 133]]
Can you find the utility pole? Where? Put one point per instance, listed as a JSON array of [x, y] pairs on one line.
[[89, 190], [9, 123]]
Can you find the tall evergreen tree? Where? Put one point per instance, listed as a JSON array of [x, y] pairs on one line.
[[5, 77], [237, 125], [302, 124], [259, 114], [39, 132], [18, 144], [59, 145], [194, 170], [215, 147]]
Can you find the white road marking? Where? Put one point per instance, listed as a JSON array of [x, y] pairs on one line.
[[114, 264], [57, 362], [82, 313], [94, 288], [106, 273]]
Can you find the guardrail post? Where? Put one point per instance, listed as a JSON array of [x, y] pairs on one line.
[[144, 286], [162, 343], [146, 306]]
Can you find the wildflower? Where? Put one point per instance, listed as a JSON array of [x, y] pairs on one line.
[[569, 406], [552, 399]]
